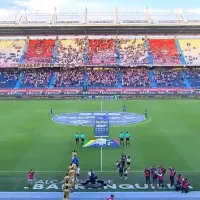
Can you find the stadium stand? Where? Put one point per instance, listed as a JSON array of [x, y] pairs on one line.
[[10, 52], [102, 78], [8, 78], [69, 78], [132, 52], [101, 52], [191, 50], [36, 78], [193, 76], [166, 77], [135, 77], [164, 51], [70, 52], [40, 51]]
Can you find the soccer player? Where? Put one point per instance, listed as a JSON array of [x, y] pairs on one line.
[[185, 186], [31, 179], [162, 169], [124, 108], [172, 174], [154, 175], [145, 113], [128, 161], [76, 138], [75, 161], [160, 179], [125, 173], [179, 182], [117, 165], [127, 136], [77, 173], [51, 111], [121, 170], [121, 137], [123, 159], [147, 176], [82, 138]]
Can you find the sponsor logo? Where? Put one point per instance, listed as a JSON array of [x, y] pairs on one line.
[[88, 118], [58, 185], [102, 143]]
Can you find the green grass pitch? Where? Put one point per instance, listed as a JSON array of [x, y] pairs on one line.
[[30, 139]]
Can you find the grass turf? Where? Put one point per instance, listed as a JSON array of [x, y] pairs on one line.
[[30, 139]]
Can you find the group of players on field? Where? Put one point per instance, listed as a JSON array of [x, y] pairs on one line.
[[157, 176], [123, 166], [154, 176]]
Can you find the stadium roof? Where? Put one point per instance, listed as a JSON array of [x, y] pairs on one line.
[[144, 16]]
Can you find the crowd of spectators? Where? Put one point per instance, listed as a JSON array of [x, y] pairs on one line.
[[10, 52], [101, 52], [135, 77], [193, 76], [8, 78], [132, 52], [70, 52], [166, 77], [38, 78], [69, 78], [40, 51], [164, 51], [191, 50], [102, 78]]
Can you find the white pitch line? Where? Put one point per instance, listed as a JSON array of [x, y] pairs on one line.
[[87, 171]]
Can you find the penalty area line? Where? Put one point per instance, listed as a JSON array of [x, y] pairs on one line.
[[140, 171]]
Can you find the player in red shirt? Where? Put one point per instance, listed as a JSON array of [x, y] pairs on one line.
[[111, 197], [185, 186], [31, 179], [172, 174], [179, 182]]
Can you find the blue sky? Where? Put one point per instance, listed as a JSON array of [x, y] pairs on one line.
[[93, 5]]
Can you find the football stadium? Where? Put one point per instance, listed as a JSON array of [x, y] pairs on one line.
[[94, 105]]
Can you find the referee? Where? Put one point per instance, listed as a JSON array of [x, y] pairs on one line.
[[121, 137], [76, 138], [82, 138], [127, 136]]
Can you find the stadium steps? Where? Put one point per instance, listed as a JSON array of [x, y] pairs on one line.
[[151, 76], [17, 86], [85, 79], [55, 51], [51, 81], [117, 53], [21, 60], [182, 58], [150, 58], [85, 51], [187, 83], [119, 79]]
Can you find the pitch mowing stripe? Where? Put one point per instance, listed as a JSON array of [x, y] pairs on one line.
[[87, 171]]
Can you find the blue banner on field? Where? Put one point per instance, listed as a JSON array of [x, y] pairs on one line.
[[101, 127]]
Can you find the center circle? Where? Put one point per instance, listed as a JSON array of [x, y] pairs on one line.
[[88, 118]]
